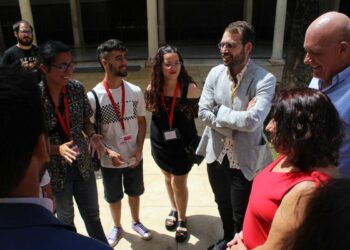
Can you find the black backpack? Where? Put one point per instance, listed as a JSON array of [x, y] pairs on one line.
[[95, 161]]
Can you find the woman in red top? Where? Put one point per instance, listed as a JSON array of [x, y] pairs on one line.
[[306, 130]]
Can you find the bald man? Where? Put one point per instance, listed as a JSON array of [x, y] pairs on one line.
[[328, 53]]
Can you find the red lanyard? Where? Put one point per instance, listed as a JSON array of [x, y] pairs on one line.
[[171, 115], [65, 124], [120, 117]]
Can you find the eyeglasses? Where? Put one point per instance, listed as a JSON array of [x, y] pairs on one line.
[[121, 58], [25, 32], [64, 67], [229, 45], [170, 65]]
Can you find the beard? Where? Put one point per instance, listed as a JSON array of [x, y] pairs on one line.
[[118, 72], [26, 41], [233, 61]]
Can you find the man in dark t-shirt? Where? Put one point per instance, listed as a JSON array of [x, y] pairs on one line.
[[24, 51]]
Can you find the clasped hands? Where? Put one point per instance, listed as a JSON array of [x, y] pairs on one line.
[[237, 242], [96, 146]]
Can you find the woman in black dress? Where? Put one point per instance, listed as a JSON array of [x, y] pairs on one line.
[[172, 97]]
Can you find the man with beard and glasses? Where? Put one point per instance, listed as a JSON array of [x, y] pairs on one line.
[[123, 127], [24, 50], [234, 104], [26, 220], [25, 54]]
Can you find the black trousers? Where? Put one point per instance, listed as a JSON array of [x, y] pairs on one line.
[[231, 190]]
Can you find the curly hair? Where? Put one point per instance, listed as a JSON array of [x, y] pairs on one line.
[[308, 128], [157, 77]]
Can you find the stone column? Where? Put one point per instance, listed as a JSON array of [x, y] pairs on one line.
[[76, 23], [248, 11], [278, 35], [152, 27], [26, 14], [161, 22]]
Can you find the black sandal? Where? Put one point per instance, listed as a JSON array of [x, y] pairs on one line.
[[181, 231], [171, 221]]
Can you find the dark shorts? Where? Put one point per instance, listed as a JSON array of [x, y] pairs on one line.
[[116, 182]]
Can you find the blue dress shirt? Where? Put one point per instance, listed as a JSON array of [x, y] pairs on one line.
[[339, 92]]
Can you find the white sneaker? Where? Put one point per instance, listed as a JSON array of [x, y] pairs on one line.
[[114, 236], [142, 231]]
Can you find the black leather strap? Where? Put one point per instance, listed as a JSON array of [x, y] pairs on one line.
[[97, 124]]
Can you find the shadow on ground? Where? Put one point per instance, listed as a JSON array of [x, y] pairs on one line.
[[204, 230]]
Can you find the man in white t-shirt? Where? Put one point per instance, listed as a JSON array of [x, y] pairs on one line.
[[123, 127]]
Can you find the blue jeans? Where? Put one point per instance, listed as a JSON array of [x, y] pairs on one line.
[[85, 195]]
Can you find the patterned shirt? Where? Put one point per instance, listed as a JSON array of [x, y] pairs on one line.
[[111, 127], [229, 143], [79, 110]]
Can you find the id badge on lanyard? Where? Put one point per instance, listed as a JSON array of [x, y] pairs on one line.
[[126, 138], [65, 124], [172, 133]]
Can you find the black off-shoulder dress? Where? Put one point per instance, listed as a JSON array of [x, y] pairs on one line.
[[170, 155]]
